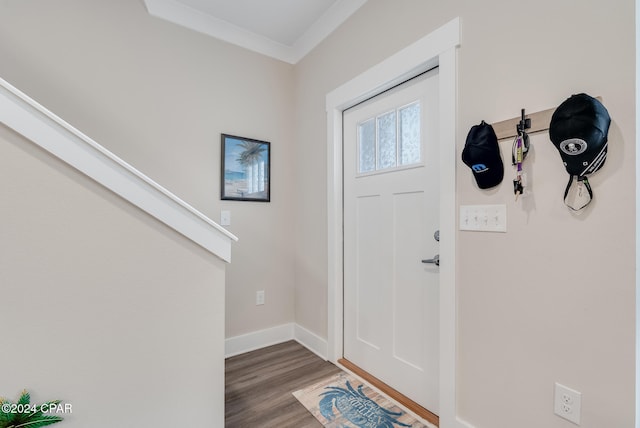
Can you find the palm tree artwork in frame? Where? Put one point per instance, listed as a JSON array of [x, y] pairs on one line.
[[246, 169]]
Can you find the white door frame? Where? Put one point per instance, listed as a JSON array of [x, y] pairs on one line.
[[436, 49]]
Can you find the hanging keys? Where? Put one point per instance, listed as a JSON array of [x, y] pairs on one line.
[[518, 153], [518, 188]]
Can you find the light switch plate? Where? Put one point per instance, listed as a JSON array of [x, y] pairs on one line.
[[225, 218], [483, 218]]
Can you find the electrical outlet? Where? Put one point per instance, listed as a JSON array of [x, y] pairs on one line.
[[567, 403], [260, 297]]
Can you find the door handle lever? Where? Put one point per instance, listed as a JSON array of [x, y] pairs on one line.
[[435, 260]]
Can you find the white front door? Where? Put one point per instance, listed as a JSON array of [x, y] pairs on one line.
[[391, 212]]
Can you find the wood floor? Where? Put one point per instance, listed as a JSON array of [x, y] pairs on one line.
[[259, 386]]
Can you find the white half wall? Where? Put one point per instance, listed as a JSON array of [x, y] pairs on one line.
[[106, 308]]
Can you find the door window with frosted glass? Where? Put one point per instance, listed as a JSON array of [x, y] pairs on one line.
[[390, 140]]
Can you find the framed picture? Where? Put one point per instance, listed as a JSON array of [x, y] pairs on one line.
[[246, 169]]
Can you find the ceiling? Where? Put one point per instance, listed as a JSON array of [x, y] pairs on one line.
[[283, 29]]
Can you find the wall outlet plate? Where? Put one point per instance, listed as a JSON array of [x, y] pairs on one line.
[[260, 297], [567, 403]]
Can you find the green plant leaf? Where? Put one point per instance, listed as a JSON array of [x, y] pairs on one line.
[[25, 397], [6, 419], [45, 405], [28, 420], [38, 422]]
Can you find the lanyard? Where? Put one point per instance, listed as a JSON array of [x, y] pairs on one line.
[[518, 188], [582, 180], [519, 152]]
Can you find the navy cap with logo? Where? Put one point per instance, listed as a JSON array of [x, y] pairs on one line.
[[481, 153], [578, 129]]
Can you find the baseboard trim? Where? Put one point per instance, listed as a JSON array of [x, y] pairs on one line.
[[463, 424], [311, 341], [258, 339], [272, 336]]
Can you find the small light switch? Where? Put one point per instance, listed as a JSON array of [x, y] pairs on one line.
[[483, 218], [225, 218]]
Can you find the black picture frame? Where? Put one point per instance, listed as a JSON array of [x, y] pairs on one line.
[[245, 169]]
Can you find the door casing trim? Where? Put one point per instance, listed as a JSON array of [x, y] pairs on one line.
[[438, 48]]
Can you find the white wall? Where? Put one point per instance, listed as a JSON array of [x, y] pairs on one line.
[[552, 299], [159, 96], [103, 307], [637, 425]]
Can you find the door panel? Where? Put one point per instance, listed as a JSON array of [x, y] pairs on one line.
[[391, 212], [370, 327], [408, 292]]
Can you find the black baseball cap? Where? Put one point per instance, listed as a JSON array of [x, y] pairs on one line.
[[481, 153], [578, 129]]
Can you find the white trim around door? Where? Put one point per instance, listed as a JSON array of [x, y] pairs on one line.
[[436, 49]]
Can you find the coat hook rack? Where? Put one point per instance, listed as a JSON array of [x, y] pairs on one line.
[[538, 122], [524, 124]]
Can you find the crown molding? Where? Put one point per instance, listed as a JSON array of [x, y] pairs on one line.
[[186, 16], [324, 26]]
